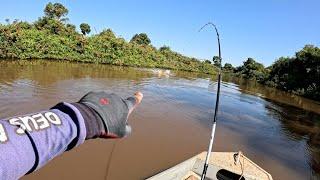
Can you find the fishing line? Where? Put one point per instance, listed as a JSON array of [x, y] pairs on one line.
[[242, 167], [110, 159], [174, 99], [191, 43]]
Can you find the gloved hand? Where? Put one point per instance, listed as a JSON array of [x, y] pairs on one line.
[[106, 115]]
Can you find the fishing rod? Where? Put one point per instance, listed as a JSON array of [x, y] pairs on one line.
[[206, 164]]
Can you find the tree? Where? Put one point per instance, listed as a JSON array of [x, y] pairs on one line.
[[50, 37], [108, 33], [53, 25], [71, 27], [207, 61], [299, 74], [228, 67], [216, 61], [55, 10], [253, 70], [23, 25], [141, 39], [85, 28], [7, 20], [164, 48], [15, 21]]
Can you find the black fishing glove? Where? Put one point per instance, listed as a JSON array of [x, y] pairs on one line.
[[106, 115]]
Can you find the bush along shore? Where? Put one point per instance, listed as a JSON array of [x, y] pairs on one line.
[[299, 74], [51, 37]]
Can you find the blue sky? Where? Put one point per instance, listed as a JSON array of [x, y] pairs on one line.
[[262, 29]]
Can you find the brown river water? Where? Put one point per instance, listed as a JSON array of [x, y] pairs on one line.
[[277, 130]]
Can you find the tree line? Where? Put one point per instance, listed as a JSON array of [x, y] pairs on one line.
[[299, 74], [53, 37]]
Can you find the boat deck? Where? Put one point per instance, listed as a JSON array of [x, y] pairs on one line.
[[221, 164]]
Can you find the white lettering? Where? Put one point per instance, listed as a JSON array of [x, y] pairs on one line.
[[41, 120], [53, 118], [3, 134], [26, 121], [35, 122], [16, 122]]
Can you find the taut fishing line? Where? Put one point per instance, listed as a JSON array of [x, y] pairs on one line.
[[110, 159]]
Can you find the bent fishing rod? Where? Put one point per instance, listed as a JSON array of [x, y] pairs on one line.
[[206, 164]]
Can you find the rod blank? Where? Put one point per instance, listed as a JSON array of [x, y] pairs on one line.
[[205, 167]]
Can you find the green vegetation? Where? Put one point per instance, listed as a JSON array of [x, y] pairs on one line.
[[52, 37], [141, 39], [228, 67], [55, 11], [85, 28], [252, 70], [216, 61], [299, 74]]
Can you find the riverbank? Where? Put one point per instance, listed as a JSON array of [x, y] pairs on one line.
[[103, 48], [299, 74], [51, 37]]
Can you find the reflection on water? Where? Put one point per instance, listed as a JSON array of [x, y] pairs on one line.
[[278, 130]]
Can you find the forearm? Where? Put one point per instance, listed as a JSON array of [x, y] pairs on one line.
[[28, 142]]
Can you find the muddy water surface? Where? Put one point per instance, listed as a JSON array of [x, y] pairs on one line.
[[277, 130]]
